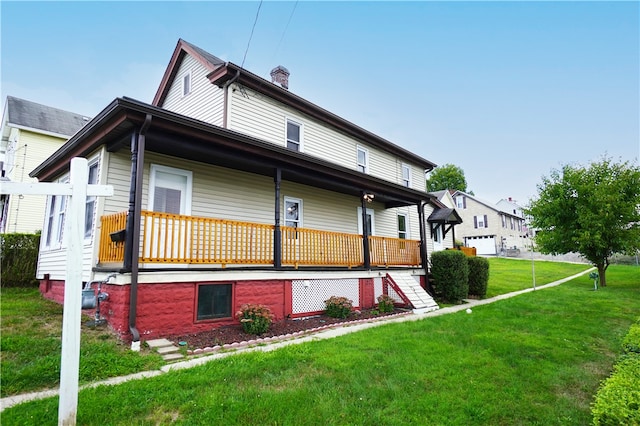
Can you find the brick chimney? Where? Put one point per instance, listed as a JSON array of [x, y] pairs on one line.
[[280, 75]]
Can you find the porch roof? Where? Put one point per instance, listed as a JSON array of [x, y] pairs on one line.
[[180, 136], [445, 215]]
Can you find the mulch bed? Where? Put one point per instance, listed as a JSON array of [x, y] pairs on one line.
[[226, 335]]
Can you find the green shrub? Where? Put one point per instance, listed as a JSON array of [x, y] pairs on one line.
[[631, 342], [451, 275], [478, 276], [618, 399], [255, 319], [19, 253], [385, 303], [338, 307]]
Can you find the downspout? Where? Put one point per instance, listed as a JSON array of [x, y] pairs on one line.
[[227, 101], [135, 235]]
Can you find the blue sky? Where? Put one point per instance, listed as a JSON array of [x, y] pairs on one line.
[[505, 90]]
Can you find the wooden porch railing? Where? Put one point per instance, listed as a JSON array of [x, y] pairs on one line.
[[108, 250], [180, 239], [302, 246], [394, 251]]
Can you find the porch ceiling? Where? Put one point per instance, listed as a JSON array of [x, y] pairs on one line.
[[183, 137]]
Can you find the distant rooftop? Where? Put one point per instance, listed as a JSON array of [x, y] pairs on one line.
[[29, 114]]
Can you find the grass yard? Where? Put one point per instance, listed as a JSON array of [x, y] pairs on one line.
[[31, 341], [536, 359], [507, 275]]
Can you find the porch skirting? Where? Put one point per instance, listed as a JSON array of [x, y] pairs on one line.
[[168, 301]]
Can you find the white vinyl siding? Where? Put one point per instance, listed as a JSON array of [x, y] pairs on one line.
[[261, 117], [205, 101]]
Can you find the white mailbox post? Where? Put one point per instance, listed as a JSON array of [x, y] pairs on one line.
[[78, 190]]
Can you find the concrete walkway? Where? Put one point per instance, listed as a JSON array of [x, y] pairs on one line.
[[326, 334]]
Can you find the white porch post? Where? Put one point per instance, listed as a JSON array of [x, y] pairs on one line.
[[77, 189]]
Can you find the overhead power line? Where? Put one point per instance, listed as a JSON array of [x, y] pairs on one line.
[[251, 35]]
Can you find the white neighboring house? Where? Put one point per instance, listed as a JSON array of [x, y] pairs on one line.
[[31, 132], [487, 227]]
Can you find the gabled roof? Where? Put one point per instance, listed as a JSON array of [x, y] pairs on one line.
[[29, 115], [486, 204], [445, 215], [222, 73]]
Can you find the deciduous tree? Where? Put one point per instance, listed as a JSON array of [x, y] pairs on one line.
[[447, 176], [594, 211]]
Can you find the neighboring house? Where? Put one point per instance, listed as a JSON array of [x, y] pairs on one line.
[[486, 227], [509, 205], [230, 189], [30, 134]]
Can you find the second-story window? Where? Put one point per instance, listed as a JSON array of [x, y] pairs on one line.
[[480, 221], [406, 175], [294, 136], [186, 84], [402, 226], [363, 159]]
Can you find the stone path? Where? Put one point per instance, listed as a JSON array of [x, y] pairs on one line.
[[327, 334]]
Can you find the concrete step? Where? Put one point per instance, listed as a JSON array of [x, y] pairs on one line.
[[166, 348]]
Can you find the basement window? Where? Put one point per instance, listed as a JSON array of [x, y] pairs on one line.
[[214, 301]]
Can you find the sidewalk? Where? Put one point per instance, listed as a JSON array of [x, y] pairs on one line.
[[326, 334]]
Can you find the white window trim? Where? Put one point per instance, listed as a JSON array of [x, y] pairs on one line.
[[366, 158], [56, 236], [406, 222], [407, 182], [371, 212], [460, 202], [180, 172], [286, 135], [186, 90], [95, 161], [300, 210]]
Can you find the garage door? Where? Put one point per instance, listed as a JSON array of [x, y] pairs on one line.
[[483, 245]]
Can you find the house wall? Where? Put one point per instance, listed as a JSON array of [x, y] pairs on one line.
[[26, 213], [259, 116], [206, 100], [167, 302], [52, 260]]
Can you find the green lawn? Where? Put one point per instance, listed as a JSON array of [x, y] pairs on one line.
[[31, 341], [536, 359], [507, 275]]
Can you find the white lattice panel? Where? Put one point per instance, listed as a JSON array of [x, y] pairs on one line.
[[309, 295], [377, 288]]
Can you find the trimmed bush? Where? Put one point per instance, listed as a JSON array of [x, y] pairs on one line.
[[255, 319], [338, 307], [19, 253], [618, 399], [478, 276], [385, 303], [450, 271]]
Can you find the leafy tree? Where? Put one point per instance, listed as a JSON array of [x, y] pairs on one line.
[[447, 176], [594, 211]]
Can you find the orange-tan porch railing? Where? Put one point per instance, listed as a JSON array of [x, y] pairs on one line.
[[180, 239]]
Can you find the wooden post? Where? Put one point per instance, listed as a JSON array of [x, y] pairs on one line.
[[77, 189]]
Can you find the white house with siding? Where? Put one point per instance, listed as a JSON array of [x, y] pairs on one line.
[[231, 189]]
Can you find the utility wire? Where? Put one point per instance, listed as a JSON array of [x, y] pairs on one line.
[[251, 36], [286, 27]]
